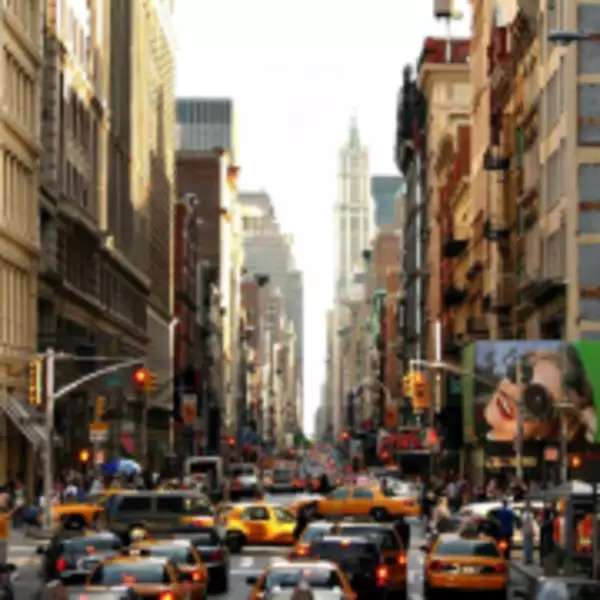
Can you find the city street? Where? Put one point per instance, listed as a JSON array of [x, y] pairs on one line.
[[252, 561]]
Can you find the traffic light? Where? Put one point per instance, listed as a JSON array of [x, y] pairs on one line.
[[84, 456], [407, 385], [35, 382], [575, 461], [144, 380], [420, 397], [140, 379], [230, 441], [345, 436]]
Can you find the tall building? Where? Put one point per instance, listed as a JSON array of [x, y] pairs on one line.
[[385, 189], [269, 251], [20, 61], [206, 124], [353, 212]]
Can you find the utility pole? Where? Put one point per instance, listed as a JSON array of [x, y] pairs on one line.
[[49, 427]]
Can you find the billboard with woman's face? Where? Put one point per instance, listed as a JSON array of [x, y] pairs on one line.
[[544, 379]]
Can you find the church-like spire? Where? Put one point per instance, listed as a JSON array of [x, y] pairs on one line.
[[354, 136]]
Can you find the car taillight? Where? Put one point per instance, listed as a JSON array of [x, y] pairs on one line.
[[503, 545], [500, 568], [438, 565], [61, 565], [382, 574], [166, 596], [402, 560], [197, 576]]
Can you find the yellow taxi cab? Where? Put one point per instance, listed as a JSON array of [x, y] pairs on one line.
[[319, 575], [256, 523], [361, 500], [148, 577], [457, 563], [184, 556], [82, 514]]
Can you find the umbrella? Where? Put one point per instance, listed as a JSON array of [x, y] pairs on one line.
[[121, 466]]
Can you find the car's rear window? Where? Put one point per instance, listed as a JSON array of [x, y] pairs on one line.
[[312, 533], [96, 595], [467, 548], [83, 545], [315, 577], [130, 573], [206, 538], [180, 555], [384, 538], [346, 554]]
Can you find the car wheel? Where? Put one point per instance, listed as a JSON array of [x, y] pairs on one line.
[[380, 514]]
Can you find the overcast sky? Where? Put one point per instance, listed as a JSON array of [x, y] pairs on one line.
[[297, 70]]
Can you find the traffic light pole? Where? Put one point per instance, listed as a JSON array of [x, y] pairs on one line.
[[50, 357]]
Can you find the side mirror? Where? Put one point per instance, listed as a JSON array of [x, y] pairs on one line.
[[252, 580]]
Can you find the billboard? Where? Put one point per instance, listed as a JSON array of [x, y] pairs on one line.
[[545, 379]]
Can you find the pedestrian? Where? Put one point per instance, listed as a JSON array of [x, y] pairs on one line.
[[506, 518], [546, 536], [403, 530], [441, 515], [528, 529]]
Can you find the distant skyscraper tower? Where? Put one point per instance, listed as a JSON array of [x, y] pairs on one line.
[[204, 124], [385, 190], [353, 212]]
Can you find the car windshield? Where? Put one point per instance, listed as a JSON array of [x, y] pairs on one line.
[[130, 573], [88, 545], [352, 554], [317, 577], [461, 547], [180, 555], [202, 467]]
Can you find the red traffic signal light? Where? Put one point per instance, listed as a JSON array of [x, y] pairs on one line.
[[140, 378], [230, 441], [345, 436]]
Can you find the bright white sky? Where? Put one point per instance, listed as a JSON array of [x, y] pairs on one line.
[[297, 70]]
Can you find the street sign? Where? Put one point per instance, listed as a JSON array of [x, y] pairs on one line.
[[98, 432]]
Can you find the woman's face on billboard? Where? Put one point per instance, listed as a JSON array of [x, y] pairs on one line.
[[502, 410]]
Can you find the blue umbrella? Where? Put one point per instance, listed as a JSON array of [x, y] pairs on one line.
[[121, 466], [128, 467]]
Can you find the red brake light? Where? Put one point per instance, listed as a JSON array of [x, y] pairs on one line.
[[61, 565], [166, 596], [438, 565], [197, 576], [402, 560], [382, 575], [503, 545]]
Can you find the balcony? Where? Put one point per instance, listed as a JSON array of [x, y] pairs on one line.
[[454, 296], [454, 247]]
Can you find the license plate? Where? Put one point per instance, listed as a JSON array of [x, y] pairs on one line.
[[469, 570]]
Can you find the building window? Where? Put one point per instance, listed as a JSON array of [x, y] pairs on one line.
[[588, 16], [589, 259], [554, 255], [589, 198], [589, 114]]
